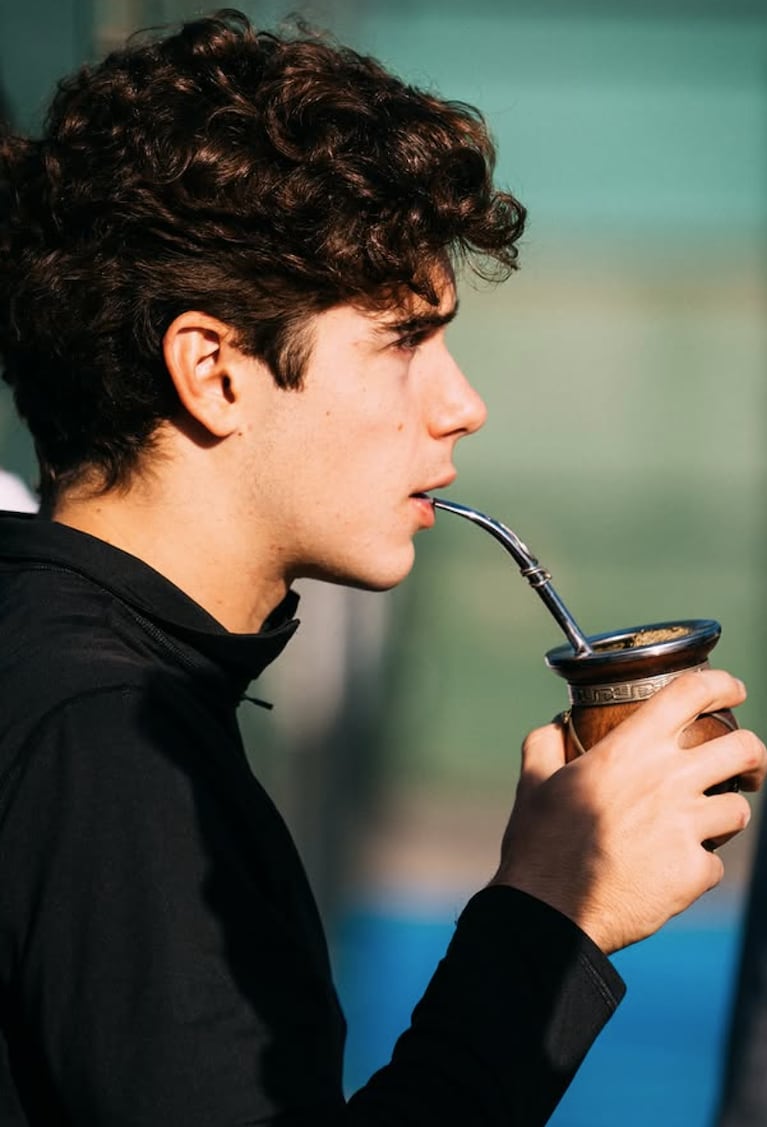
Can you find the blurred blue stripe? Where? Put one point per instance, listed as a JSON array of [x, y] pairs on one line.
[[658, 1061]]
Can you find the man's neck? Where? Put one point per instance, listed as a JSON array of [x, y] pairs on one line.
[[197, 544]]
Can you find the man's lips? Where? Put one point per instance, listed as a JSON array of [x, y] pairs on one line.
[[442, 483], [424, 502]]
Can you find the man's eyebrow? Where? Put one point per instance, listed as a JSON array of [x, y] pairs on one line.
[[421, 321]]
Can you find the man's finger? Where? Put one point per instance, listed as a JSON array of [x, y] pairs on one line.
[[543, 753], [722, 815], [689, 695], [740, 754]]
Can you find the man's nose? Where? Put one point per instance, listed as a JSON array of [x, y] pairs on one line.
[[458, 408]]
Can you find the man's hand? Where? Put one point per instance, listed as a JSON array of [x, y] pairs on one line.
[[614, 839]]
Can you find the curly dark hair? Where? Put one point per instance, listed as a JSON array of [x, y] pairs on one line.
[[260, 179]]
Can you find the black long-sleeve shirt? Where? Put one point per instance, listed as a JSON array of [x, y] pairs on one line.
[[161, 956]]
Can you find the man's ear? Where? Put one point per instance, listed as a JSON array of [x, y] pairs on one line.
[[203, 364]]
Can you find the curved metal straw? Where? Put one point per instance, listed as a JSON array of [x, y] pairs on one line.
[[537, 576]]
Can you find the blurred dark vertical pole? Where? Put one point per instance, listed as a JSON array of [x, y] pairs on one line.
[[39, 43], [743, 1095]]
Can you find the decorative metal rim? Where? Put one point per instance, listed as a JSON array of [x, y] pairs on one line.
[[625, 692], [618, 649]]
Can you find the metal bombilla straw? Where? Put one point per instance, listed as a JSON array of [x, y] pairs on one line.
[[609, 675], [537, 576]]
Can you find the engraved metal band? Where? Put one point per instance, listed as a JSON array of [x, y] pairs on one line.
[[625, 692]]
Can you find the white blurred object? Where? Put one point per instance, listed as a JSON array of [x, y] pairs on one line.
[[14, 494]]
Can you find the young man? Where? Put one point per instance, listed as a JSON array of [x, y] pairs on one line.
[[225, 276]]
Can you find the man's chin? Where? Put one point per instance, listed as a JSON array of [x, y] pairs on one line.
[[376, 578]]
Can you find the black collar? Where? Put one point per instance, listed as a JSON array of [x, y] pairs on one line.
[[243, 657]]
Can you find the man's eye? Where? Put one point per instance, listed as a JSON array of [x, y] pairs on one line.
[[410, 341]]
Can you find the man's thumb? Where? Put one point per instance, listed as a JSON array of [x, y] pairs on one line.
[[543, 753]]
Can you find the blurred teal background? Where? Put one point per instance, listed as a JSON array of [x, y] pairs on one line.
[[624, 372]]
